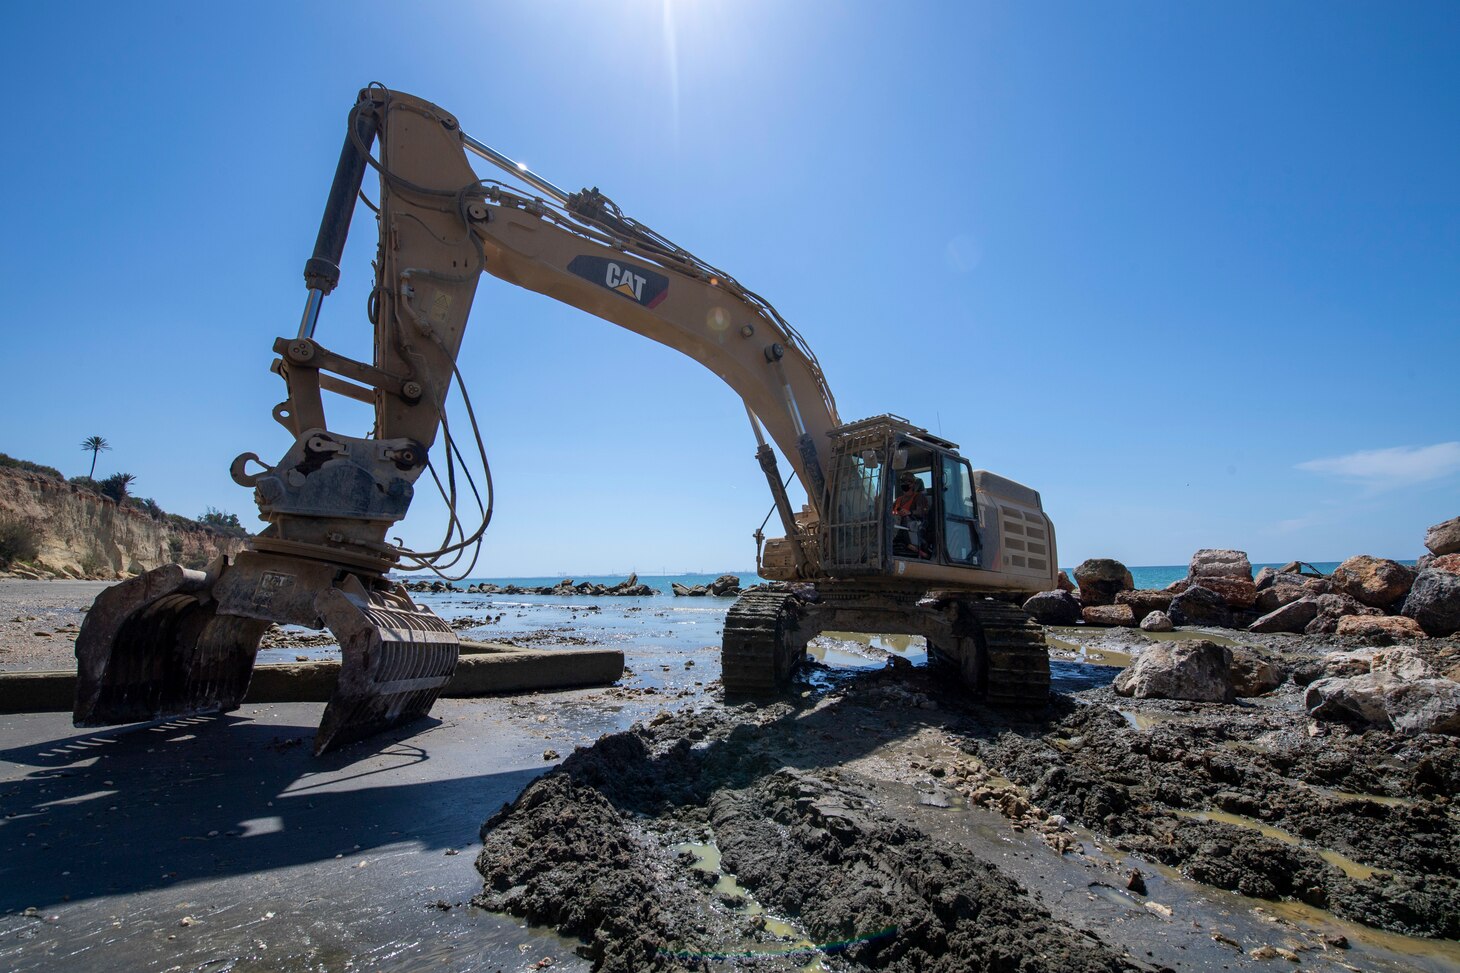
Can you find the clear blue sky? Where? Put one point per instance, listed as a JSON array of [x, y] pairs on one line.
[[1192, 270]]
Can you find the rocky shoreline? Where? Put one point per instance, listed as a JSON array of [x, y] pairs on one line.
[[725, 586]]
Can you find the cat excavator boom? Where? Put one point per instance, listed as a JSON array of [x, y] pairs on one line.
[[899, 535]]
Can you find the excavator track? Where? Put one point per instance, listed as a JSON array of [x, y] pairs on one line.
[[998, 650], [1015, 659], [760, 647]]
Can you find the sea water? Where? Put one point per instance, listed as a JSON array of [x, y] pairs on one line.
[[655, 630]]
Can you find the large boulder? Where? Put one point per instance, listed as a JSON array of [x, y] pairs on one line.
[[1444, 538], [1292, 617], [1434, 602], [1053, 608], [1276, 596], [1253, 675], [1370, 626], [1197, 670], [1334, 605], [1062, 582], [1374, 581], [1143, 601], [1100, 579], [1236, 592], [1213, 563], [1109, 615], [1384, 700], [725, 585], [1403, 662], [1157, 622], [1200, 606], [1444, 562]]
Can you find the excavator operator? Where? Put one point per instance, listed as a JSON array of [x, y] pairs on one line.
[[910, 508]]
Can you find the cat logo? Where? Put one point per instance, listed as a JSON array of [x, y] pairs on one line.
[[639, 284]]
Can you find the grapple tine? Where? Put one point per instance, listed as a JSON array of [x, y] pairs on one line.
[[396, 660], [154, 647]]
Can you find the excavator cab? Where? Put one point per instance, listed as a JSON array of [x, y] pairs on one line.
[[898, 494]]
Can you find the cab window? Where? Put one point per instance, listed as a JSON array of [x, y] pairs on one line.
[[960, 512]]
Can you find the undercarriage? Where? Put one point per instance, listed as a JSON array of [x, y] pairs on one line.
[[997, 650]]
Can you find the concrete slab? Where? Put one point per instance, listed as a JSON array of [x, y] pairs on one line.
[[483, 669]]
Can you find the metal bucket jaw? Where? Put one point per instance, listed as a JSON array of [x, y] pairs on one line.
[[175, 642]]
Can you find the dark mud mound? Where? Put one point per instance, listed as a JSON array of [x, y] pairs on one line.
[[1243, 798], [591, 850], [816, 848]]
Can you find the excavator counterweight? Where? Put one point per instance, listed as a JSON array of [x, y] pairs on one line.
[[899, 535]]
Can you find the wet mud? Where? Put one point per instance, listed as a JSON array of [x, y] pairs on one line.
[[880, 820], [595, 850], [1247, 799]]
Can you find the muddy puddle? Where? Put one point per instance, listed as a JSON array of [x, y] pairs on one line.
[[855, 650], [1342, 862]]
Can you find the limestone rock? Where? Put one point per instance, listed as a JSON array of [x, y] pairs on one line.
[[1335, 605], [1264, 577], [1236, 592], [1292, 617], [1434, 602], [1109, 615], [1053, 608], [1356, 662], [1157, 622], [1443, 562], [1198, 670], [1384, 700], [1401, 661], [1143, 601], [1296, 567], [1100, 578], [1275, 596], [1374, 581], [1253, 675], [1062, 582], [1200, 606], [1444, 538], [1395, 626], [1214, 563]]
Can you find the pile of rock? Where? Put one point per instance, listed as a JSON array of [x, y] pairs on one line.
[[725, 586], [1365, 596], [1394, 689], [631, 587], [436, 587]]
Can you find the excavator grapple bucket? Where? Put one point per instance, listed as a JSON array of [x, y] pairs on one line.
[[175, 642], [154, 647], [396, 660]]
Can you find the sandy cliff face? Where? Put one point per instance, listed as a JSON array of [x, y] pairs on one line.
[[85, 534]]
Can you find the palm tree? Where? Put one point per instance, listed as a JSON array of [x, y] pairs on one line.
[[94, 445]]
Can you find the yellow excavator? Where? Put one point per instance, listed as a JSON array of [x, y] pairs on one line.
[[899, 533]]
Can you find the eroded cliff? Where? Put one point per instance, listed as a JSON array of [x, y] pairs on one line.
[[80, 533]]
